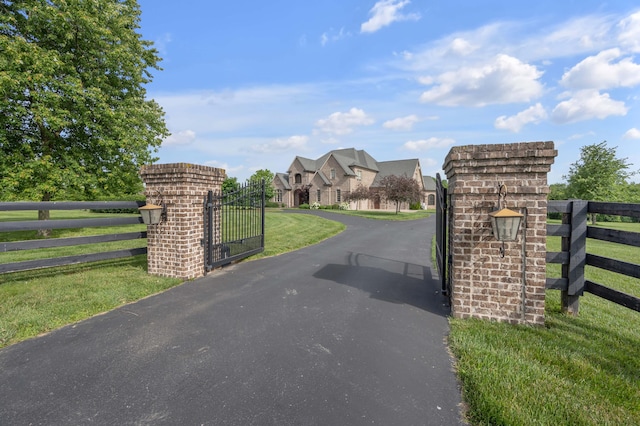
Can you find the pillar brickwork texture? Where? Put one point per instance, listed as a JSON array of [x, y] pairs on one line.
[[175, 246], [484, 284]]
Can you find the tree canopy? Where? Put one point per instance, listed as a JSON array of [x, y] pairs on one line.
[[360, 193], [74, 119], [598, 175], [267, 175], [400, 189]]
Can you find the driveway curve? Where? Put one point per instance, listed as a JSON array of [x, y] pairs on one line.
[[350, 331]]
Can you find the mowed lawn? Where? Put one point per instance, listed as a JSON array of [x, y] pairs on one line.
[[582, 370], [35, 302]]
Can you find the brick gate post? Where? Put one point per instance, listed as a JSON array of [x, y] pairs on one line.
[[484, 284], [175, 245]]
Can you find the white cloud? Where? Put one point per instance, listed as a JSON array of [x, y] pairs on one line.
[[632, 133], [599, 72], [586, 105], [401, 123], [230, 170], [384, 13], [629, 35], [183, 137], [581, 135], [342, 123], [504, 80], [333, 36], [292, 143], [516, 122], [431, 143], [461, 47]]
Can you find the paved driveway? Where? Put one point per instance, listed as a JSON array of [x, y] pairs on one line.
[[347, 332]]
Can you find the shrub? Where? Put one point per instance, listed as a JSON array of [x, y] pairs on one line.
[[315, 206], [344, 206], [272, 204], [415, 206], [335, 206], [303, 206]]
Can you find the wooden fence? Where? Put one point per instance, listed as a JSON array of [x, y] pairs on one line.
[[573, 257], [33, 225]]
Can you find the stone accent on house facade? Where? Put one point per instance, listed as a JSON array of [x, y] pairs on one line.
[[175, 245], [484, 285], [329, 179]]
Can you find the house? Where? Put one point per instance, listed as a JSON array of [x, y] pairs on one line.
[[330, 178]]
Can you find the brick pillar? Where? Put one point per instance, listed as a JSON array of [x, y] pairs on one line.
[[484, 285], [175, 245]]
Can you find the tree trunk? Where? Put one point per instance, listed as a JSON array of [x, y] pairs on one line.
[[44, 215]]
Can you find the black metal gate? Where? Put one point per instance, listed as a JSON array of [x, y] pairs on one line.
[[443, 259], [233, 224]]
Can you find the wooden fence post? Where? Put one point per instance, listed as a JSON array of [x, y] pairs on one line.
[[575, 244]]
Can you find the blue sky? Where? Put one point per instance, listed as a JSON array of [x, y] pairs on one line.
[[247, 85]]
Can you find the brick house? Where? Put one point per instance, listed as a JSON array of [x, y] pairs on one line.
[[330, 178]]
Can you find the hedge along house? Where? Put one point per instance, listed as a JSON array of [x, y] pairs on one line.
[[330, 178]]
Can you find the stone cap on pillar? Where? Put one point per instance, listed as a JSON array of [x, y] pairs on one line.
[[528, 157]]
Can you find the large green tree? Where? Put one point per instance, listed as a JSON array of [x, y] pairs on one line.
[[267, 176], [74, 119], [599, 175]]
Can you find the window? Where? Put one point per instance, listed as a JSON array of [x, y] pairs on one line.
[[333, 173], [278, 195], [298, 178], [359, 175], [338, 196], [432, 200]]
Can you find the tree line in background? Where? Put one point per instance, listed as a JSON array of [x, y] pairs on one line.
[[599, 175]]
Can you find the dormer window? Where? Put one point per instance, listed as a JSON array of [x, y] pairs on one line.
[[298, 178], [359, 175]]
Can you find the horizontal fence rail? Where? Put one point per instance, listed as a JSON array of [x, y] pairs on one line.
[[34, 225], [573, 257]]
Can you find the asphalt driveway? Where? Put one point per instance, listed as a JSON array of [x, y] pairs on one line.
[[350, 331]]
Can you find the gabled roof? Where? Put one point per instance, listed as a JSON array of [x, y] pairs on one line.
[[429, 183], [284, 179], [348, 158], [397, 167], [308, 164], [326, 181]]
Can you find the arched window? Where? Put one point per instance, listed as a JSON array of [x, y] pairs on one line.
[[432, 200], [298, 178]]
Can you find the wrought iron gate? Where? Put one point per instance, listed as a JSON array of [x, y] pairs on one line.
[[233, 224], [443, 259]]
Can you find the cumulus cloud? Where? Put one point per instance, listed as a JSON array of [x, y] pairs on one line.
[[431, 143], [227, 168], [601, 72], [632, 133], [504, 80], [401, 123], [342, 123], [461, 47], [516, 122], [384, 13], [290, 143], [629, 35], [586, 105], [183, 137]]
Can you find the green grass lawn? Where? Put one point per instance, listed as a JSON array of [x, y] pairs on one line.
[[35, 302], [582, 370]]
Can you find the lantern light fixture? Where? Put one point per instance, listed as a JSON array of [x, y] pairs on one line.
[[505, 223], [153, 214]]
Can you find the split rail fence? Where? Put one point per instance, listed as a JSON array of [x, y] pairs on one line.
[[34, 225], [574, 257]]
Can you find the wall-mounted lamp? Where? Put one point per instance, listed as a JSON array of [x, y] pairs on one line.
[[504, 222], [153, 214]]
